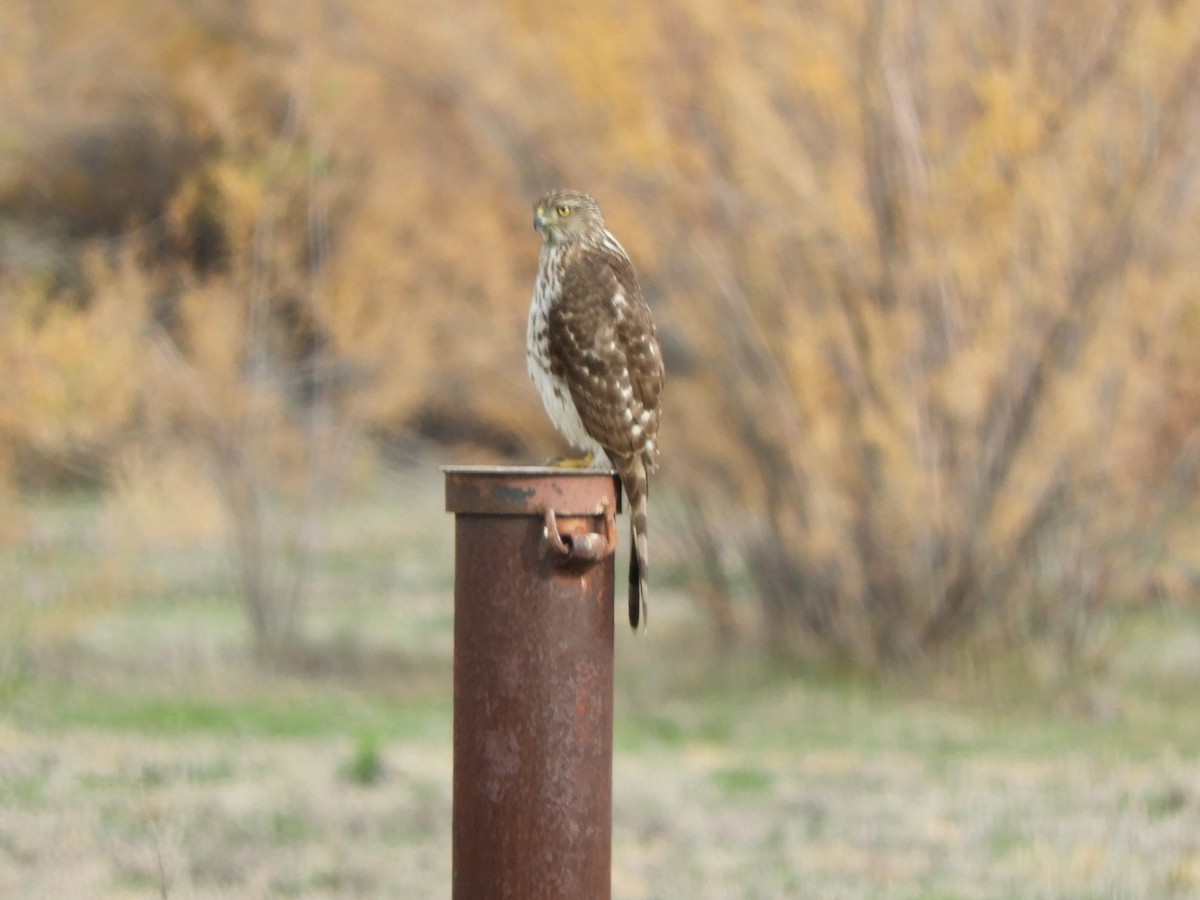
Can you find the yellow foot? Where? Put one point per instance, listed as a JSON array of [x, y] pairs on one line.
[[566, 462]]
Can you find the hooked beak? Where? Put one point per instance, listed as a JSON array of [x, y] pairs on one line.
[[541, 218]]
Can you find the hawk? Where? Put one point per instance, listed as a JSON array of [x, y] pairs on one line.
[[593, 353]]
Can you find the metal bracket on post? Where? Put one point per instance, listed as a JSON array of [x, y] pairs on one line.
[[587, 547], [533, 676]]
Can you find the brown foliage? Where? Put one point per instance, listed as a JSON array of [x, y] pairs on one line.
[[923, 273], [942, 413]]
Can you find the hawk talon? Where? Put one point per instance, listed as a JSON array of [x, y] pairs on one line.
[[569, 462]]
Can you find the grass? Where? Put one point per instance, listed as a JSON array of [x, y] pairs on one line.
[[142, 753], [366, 766], [284, 712]]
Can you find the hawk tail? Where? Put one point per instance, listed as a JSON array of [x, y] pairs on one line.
[[636, 483]]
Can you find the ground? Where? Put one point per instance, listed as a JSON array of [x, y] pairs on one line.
[[143, 755]]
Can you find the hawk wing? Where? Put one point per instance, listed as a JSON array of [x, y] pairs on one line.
[[603, 345]]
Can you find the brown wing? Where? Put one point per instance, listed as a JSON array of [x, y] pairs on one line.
[[603, 344]]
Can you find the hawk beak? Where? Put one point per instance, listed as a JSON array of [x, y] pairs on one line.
[[541, 219]]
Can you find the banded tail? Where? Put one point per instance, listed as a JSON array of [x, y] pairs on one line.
[[636, 483]]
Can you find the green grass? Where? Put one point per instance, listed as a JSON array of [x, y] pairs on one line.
[[22, 790], [294, 711], [808, 715], [366, 766], [744, 780]]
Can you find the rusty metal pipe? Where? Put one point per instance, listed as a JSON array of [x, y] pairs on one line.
[[533, 677]]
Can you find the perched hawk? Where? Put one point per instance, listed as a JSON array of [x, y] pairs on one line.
[[594, 356]]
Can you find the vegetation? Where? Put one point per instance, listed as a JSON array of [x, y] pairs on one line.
[[366, 767], [925, 277], [145, 754], [926, 281]]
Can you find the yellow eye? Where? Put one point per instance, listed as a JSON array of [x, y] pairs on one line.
[[563, 211]]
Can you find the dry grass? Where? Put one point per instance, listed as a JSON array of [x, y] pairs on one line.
[[104, 814], [141, 750]]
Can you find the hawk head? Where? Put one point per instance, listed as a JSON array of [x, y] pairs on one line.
[[564, 216]]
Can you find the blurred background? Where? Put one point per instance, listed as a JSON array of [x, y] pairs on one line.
[[927, 281]]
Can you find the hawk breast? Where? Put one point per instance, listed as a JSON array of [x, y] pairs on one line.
[[549, 379], [593, 352]]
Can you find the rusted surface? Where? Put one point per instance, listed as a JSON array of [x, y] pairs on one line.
[[520, 490], [533, 669]]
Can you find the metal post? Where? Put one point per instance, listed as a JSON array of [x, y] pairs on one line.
[[533, 680]]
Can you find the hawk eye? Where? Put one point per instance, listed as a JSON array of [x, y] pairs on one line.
[[563, 210]]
